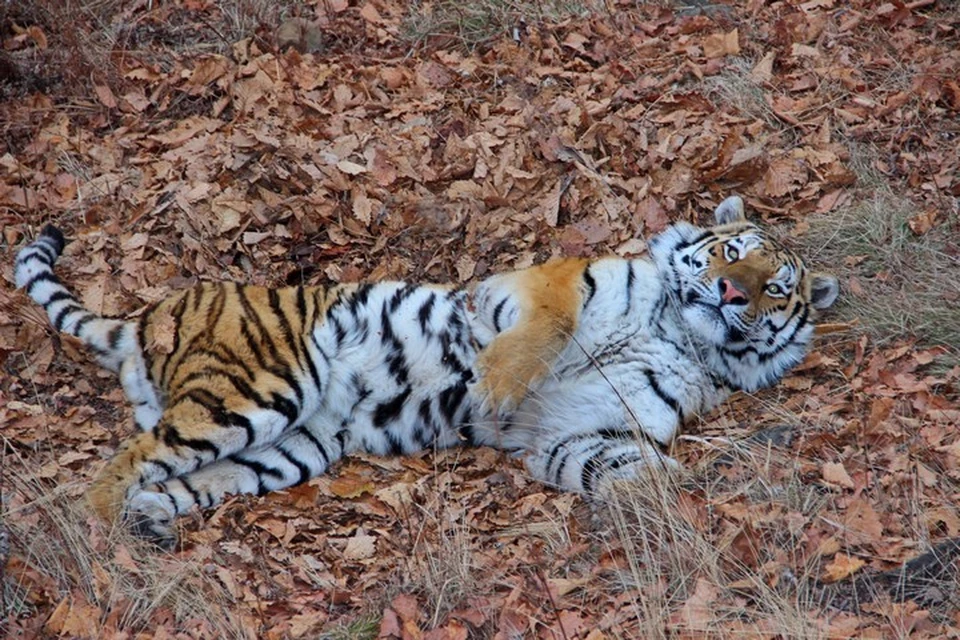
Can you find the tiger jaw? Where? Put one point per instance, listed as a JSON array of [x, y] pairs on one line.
[[711, 322]]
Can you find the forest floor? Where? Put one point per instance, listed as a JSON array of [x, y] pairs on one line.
[[335, 140]]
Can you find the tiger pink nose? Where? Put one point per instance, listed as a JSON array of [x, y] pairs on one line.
[[730, 293]]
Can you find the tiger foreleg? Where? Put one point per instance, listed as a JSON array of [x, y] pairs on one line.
[[534, 313], [589, 462]]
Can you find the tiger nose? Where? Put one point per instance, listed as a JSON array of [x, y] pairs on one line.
[[730, 293]]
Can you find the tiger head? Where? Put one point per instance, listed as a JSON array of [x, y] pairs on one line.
[[750, 301]]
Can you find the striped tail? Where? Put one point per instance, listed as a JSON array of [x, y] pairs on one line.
[[113, 341]]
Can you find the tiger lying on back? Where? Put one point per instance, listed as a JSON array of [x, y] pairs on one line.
[[587, 366]]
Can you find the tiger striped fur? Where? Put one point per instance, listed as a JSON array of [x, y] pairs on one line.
[[588, 367]]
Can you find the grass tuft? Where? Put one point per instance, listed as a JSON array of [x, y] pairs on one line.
[[473, 24], [688, 571], [365, 627], [55, 554], [899, 284]]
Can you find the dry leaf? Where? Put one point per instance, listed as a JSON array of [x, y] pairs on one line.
[[718, 45], [835, 473], [162, 333], [923, 221], [351, 168], [862, 522], [763, 71], [349, 485], [360, 547], [841, 566], [698, 611]]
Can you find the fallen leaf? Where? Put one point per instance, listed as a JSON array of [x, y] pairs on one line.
[[835, 473], [360, 547], [718, 45], [348, 485], [162, 333], [841, 566]]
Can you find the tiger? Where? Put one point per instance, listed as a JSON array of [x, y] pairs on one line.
[[586, 367]]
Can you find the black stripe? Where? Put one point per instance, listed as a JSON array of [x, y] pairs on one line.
[[43, 276], [423, 315], [400, 295], [396, 362], [316, 443], [113, 337], [282, 369], [388, 411], [57, 297], [588, 473], [36, 251], [218, 412], [396, 446], [359, 298], [767, 355], [630, 279], [258, 468], [166, 468], [61, 316], [683, 244], [141, 339], [617, 434], [339, 332], [590, 450], [55, 236], [624, 459], [302, 305], [224, 355], [591, 283], [285, 407], [302, 468], [177, 314], [451, 399], [284, 323], [215, 310], [198, 298], [172, 438], [497, 310], [668, 399], [311, 365], [252, 343], [193, 492]]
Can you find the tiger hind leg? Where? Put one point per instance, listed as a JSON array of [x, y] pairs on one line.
[[296, 457], [193, 433]]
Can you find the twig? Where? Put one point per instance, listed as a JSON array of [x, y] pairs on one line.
[[553, 604]]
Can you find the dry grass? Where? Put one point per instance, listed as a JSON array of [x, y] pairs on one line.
[[899, 284], [363, 628], [55, 551], [677, 554], [88, 41], [472, 24], [734, 86]]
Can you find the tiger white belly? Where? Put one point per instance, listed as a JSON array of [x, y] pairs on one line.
[[401, 362]]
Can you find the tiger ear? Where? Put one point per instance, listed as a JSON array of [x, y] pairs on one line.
[[824, 290], [730, 210]]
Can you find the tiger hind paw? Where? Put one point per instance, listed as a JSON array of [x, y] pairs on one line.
[[150, 516]]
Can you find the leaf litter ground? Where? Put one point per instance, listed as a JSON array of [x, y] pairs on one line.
[[351, 155]]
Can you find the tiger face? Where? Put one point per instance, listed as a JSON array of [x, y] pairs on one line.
[[742, 293]]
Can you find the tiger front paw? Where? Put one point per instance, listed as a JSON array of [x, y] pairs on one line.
[[150, 516], [506, 374]]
